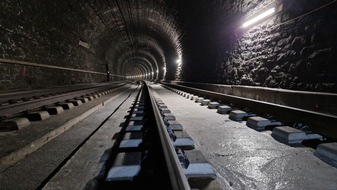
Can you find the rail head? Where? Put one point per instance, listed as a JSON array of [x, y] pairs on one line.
[[176, 173]]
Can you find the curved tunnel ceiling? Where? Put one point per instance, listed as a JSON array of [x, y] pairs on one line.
[[141, 37]]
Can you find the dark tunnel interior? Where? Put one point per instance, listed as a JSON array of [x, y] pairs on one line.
[[53, 43]]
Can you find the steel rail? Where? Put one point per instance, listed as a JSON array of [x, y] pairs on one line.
[[320, 123], [322, 102], [10, 109], [176, 173]]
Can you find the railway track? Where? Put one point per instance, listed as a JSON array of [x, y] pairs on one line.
[[18, 109], [317, 122], [289, 125], [22, 133], [152, 152], [13, 104]]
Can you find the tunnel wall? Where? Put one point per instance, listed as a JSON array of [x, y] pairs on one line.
[[299, 54], [47, 32]]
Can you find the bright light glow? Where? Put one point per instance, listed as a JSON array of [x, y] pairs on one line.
[[152, 73], [259, 17], [178, 62]]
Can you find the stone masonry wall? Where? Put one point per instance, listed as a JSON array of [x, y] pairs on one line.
[[47, 32], [300, 54]]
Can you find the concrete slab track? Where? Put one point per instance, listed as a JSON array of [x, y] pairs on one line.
[[30, 172], [243, 157]]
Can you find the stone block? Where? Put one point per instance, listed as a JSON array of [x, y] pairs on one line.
[[173, 125], [54, 110], [66, 105], [164, 110], [199, 99], [131, 140], [137, 118], [224, 109], [126, 167], [183, 141], [14, 124], [83, 100], [134, 128], [169, 116], [38, 116], [162, 106], [238, 115], [160, 103], [213, 105], [205, 102], [75, 102], [328, 153], [288, 135], [199, 171], [194, 97], [260, 123], [89, 97], [312, 136], [138, 112]]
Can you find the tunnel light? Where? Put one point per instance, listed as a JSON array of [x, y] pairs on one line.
[[258, 17], [178, 61], [152, 73]]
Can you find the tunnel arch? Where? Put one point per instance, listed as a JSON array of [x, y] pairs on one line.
[[141, 59], [139, 66], [123, 36]]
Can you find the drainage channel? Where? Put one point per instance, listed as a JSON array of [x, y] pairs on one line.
[[152, 152]]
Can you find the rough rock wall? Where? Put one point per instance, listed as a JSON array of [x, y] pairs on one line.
[[47, 32], [298, 54], [279, 52]]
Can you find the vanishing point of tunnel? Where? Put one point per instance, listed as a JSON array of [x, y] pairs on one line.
[[261, 74]]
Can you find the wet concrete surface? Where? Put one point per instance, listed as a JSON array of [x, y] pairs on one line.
[[30, 172], [245, 158], [83, 169], [15, 145]]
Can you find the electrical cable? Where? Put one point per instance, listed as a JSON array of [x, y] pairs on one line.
[[305, 14]]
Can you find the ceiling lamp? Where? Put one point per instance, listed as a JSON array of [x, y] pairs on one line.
[[259, 17]]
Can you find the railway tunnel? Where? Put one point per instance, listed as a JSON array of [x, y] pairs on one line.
[[249, 85]]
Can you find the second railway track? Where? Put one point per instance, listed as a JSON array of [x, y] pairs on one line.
[[15, 104], [322, 123]]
